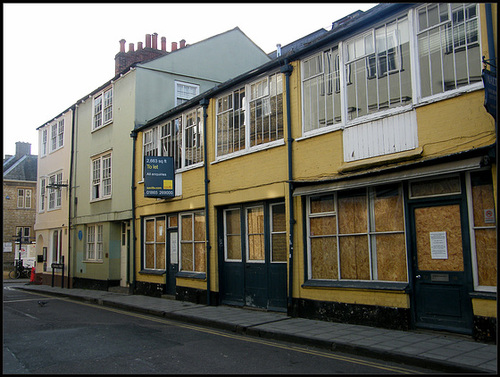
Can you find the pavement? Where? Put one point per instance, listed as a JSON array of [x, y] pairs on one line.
[[434, 350]]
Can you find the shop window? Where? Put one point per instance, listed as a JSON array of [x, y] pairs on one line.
[[193, 258], [357, 235], [483, 231], [155, 243]]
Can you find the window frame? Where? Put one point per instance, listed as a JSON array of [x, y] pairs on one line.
[[44, 142], [102, 108], [236, 104], [179, 99], [54, 194], [193, 242], [25, 234], [155, 243], [43, 194], [94, 242], [103, 183], [24, 198], [370, 233]]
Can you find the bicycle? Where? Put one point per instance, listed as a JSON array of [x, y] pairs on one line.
[[20, 272]]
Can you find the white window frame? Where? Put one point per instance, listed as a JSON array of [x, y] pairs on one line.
[[370, 232], [102, 109], [226, 259], [155, 243], [248, 234], [25, 234], [101, 177], [230, 108], [44, 142], [56, 135], [54, 194], [94, 243], [56, 245], [192, 241], [181, 96], [411, 15], [24, 198], [43, 194], [170, 138], [273, 232]]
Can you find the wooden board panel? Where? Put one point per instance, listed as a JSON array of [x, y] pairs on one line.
[[354, 258], [486, 252], [352, 214], [439, 219], [391, 257], [324, 264]]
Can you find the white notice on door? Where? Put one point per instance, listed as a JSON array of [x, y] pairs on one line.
[[173, 248], [439, 248]]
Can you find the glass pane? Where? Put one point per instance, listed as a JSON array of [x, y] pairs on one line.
[[187, 228], [486, 254], [255, 220], [233, 247], [324, 225], [199, 227], [324, 264], [433, 187], [150, 230], [323, 203], [233, 223], [279, 219], [352, 212], [279, 248], [187, 256], [256, 247], [482, 199], [388, 208], [160, 256], [354, 258], [160, 230], [199, 254], [150, 256], [391, 257]]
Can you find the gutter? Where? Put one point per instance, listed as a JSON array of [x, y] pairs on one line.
[[287, 70], [204, 102], [491, 41]]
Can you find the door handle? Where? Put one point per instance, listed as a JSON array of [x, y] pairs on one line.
[[418, 277]]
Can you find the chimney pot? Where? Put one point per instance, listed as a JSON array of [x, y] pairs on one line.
[[130, 47], [139, 46], [182, 43], [155, 41], [163, 44], [174, 46], [148, 40], [122, 45]]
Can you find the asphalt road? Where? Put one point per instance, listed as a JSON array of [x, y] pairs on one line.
[[45, 334]]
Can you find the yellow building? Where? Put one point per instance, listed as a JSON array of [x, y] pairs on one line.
[[352, 179]]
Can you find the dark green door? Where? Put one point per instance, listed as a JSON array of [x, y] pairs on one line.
[[440, 253], [252, 247]]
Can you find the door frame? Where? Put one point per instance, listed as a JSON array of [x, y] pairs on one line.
[[467, 284]]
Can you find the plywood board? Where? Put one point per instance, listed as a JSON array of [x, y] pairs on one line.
[[324, 264], [352, 214], [354, 258], [439, 219], [391, 257], [486, 252]]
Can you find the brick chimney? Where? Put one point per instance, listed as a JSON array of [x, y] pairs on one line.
[[22, 149], [182, 43], [174, 46], [123, 59]]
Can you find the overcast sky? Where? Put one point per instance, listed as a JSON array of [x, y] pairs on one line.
[[55, 54]]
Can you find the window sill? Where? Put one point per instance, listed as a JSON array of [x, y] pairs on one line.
[[92, 261], [484, 295], [191, 275], [375, 285], [254, 149], [152, 272]]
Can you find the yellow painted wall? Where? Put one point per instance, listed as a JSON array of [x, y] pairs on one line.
[[484, 308], [455, 125]]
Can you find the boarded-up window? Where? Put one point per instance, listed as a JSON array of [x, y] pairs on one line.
[[232, 234], [370, 241], [484, 229], [154, 243], [193, 242], [278, 233], [255, 231]]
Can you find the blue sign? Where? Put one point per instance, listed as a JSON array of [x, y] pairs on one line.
[[159, 177]]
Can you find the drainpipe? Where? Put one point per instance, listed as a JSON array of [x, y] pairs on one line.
[[133, 135], [70, 180], [204, 102], [287, 70], [491, 41]]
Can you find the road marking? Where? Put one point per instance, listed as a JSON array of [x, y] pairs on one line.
[[26, 299], [319, 353]]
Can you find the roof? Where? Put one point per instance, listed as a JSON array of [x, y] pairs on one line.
[[299, 43], [20, 168]]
